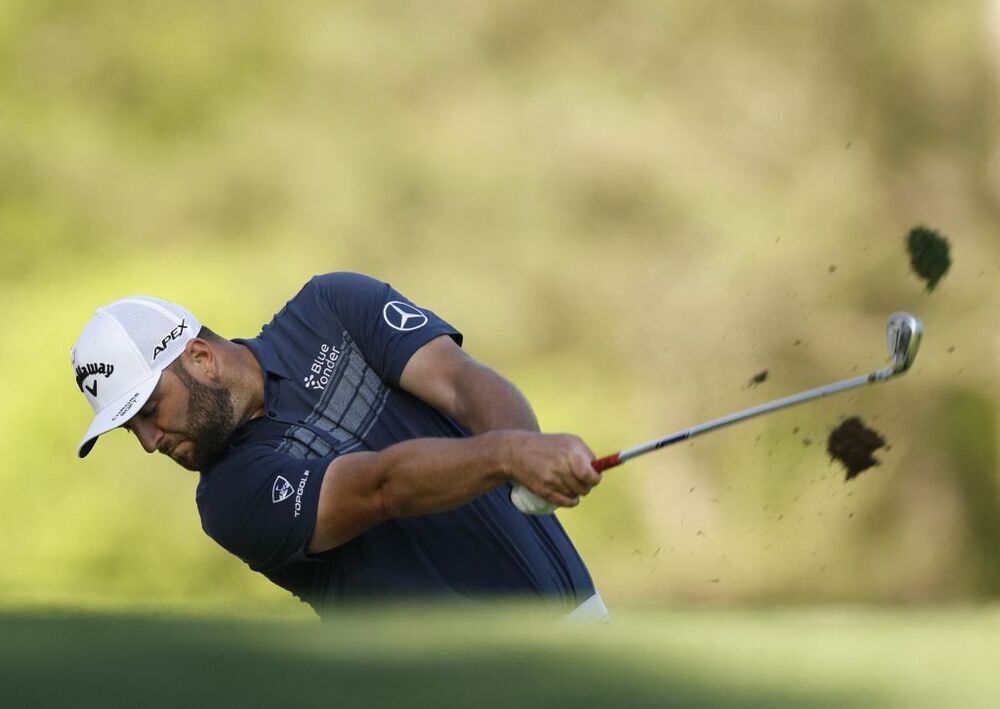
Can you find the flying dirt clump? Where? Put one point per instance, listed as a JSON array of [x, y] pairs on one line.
[[929, 254], [758, 378], [853, 444]]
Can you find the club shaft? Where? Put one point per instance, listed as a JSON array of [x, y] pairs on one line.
[[629, 453]]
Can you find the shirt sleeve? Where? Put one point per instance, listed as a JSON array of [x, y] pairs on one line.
[[263, 507], [385, 325]]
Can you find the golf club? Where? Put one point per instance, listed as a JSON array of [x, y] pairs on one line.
[[903, 333]]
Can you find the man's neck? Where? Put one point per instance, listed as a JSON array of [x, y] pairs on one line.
[[248, 390]]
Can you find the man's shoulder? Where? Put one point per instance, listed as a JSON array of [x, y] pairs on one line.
[[344, 279], [343, 284], [238, 465], [260, 503], [322, 293], [229, 487]]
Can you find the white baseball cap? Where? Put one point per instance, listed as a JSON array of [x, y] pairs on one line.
[[122, 352]]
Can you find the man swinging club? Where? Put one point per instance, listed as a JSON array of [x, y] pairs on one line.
[[351, 451]]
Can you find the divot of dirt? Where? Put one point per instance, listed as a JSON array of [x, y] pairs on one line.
[[930, 255], [853, 444]]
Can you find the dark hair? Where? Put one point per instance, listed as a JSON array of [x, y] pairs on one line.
[[177, 367], [207, 333]]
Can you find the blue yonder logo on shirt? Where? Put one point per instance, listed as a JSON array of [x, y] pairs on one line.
[[322, 368]]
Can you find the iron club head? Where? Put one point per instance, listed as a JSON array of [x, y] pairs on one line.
[[903, 332]]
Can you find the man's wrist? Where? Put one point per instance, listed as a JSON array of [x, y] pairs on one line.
[[503, 450]]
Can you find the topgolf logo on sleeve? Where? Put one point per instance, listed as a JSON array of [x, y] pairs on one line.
[[281, 490], [403, 316]]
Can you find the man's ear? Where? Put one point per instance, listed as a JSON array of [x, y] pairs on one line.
[[200, 358]]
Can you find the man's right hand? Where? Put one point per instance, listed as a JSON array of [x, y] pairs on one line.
[[556, 467]]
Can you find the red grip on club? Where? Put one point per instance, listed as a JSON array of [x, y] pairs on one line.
[[608, 461]]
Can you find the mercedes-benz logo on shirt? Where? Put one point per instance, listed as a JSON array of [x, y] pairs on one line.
[[403, 316]]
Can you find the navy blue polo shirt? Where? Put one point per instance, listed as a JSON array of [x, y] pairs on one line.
[[332, 358]]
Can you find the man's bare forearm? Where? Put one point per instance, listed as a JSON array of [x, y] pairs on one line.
[[428, 475]]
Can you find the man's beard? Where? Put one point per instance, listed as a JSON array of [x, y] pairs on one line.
[[211, 421]]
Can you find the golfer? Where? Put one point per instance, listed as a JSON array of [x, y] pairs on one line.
[[351, 451]]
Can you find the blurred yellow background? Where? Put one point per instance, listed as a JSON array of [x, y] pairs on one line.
[[629, 208]]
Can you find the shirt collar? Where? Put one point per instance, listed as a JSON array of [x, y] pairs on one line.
[[266, 356]]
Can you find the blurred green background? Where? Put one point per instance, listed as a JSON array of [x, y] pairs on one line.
[[629, 208]]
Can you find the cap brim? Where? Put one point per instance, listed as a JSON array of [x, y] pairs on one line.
[[118, 412]]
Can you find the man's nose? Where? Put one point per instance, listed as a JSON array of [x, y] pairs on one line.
[[148, 434]]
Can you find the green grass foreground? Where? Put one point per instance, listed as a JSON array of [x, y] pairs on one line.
[[509, 658]]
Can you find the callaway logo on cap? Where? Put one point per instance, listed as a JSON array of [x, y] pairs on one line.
[[122, 352]]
